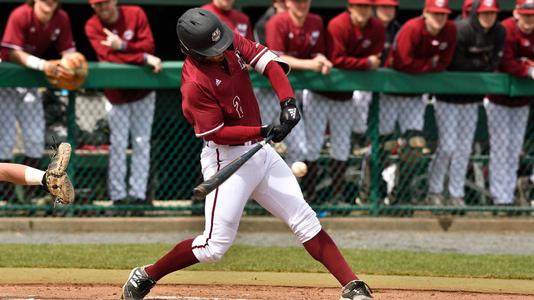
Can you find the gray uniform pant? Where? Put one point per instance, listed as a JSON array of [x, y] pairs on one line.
[[127, 119], [24, 106], [408, 111], [506, 127]]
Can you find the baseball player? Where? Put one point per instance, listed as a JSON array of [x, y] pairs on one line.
[[54, 180], [480, 41], [278, 6], [508, 116], [31, 29], [219, 103], [121, 34], [423, 44], [236, 20], [355, 40], [466, 8], [298, 36]]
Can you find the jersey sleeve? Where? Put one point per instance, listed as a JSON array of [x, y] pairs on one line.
[[337, 40], [65, 41], [14, 34], [201, 111], [257, 55], [404, 58], [274, 36]]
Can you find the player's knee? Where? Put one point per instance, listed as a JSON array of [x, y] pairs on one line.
[[305, 225]]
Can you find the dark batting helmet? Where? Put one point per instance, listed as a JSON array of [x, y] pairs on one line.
[[202, 34]]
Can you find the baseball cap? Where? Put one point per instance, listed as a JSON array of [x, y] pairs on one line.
[[438, 6], [466, 8], [525, 7], [387, 2], [96, 1], [368, 2], [488, 6]]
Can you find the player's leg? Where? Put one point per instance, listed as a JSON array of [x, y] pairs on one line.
[[447, 123], [340, 111], [8, 105], [223, 210], [141, 117], [280, 194], [119, 126], [361, 102], [268, 103], [467, 117], [296, 141], [518, 118]]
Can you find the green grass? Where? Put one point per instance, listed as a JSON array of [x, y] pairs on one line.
[[274, 259]]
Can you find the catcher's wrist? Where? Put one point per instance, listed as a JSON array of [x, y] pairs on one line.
[[35, 63]]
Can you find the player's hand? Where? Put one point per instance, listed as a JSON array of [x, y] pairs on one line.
[[290, 114], [113, 41], [326, 65], [278, 132], [435, 61], [54, 69], [374, 62], [154, 62]]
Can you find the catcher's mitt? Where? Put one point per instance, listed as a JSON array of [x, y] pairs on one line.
[[56, 181], [77, 68]]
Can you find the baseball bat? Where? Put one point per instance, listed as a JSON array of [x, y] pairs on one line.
[[206, 187]]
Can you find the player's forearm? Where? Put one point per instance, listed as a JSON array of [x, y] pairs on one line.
[[279, 81], [296, 63]]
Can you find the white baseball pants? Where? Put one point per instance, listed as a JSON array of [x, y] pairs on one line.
[[361, 101], [408, 111]]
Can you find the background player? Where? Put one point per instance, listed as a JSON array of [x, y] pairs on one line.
[[236, 20], [122, 35], [32, 28], [219, 102], [508, 116]]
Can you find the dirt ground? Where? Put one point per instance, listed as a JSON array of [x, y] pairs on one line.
[[227, 292]]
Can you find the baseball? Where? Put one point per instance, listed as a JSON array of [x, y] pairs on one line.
[[299, 169]]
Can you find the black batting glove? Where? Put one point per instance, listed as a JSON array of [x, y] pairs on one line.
[[290, 114], [279, 132]]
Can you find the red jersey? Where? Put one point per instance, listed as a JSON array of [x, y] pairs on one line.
[[284, 37], [349, 46], [236, 20], [25, 32], [132, 27], [414, 48], [518, 58], [213, 96]]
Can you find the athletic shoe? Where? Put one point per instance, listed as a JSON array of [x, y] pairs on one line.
[[356, 290], [138, 285]]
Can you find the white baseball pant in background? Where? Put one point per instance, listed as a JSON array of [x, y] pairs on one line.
[[270, 113], [320, 111], [408, 111], [25, 106], [506, 126], [127, 119], [361, 101], [267, 179], [456, 128]]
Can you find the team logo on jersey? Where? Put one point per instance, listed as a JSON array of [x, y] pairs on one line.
[[443, 46], [55, 34], [314, 37], [238, 108], [128, 35], [525, 43], [291, 35], [32, 29], [366, 43], [242, 29], [216, 35], [435, 43], [217, 82]]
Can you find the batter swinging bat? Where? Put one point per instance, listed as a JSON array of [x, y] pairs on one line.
[[203, 189]]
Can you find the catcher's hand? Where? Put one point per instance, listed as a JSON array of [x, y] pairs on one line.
[[56, 181]]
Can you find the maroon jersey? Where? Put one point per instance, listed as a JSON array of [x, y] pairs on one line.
[[350, 46], [518, 58], [213, 96], [133, 28], [25, 32], [284, 37], [236, 20], [414, 48]]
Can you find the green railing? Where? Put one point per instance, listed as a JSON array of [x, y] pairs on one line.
[[174, 165]]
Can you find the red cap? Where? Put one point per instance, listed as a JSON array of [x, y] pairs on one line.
[[438, 6], [525, 7], [368, 2], [466, 8], [387, 2], [488, 6], [96, 1]]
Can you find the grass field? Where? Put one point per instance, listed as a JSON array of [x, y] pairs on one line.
[[272, 259]]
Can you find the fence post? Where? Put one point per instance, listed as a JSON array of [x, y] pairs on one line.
[[72, 134], [375, 155]]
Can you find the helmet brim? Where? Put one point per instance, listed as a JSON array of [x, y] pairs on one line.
[[227, 38]]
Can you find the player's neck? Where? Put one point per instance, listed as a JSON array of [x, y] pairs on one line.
[[298, 21], [43, 16], [113, 18]]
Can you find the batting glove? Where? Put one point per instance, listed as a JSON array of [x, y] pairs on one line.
[[279, 132], [290, 114]]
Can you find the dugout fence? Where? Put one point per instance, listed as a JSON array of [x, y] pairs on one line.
[[80, 118]]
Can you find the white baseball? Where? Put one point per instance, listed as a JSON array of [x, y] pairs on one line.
[[299, 169]]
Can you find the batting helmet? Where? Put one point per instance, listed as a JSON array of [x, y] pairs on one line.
[[202, 34]]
